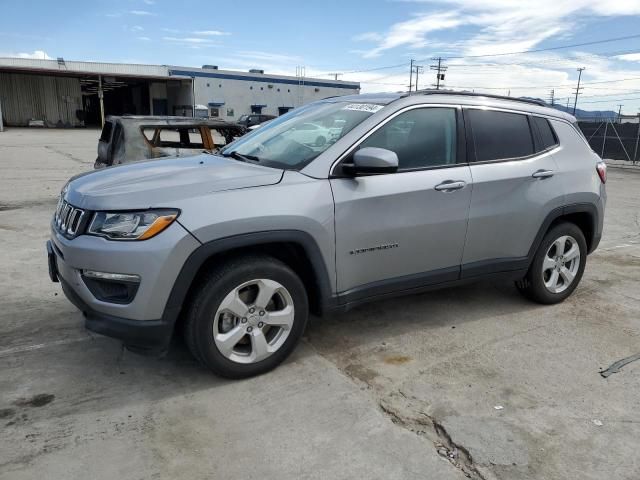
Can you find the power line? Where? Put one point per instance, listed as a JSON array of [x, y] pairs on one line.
[[386, 67], [560, 47], [548, 49], [548, 86], [612, 100]]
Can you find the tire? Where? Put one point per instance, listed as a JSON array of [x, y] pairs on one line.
[[237, 339], [539, 285], [320, 141]]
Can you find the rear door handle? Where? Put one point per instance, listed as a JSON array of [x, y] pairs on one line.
[[543, 174], [450, 186]]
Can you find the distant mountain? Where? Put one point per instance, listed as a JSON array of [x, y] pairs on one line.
[[580, 114]]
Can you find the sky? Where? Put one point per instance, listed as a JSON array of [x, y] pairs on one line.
[[370, 41]]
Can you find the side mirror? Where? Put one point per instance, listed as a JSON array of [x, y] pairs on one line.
[[372, 160]]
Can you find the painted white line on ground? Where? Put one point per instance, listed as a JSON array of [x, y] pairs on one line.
[[624, 245], [29, 348]]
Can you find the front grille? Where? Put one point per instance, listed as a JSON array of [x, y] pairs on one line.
[[68, 219]]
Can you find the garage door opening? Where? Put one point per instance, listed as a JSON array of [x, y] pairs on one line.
[[121, 96]]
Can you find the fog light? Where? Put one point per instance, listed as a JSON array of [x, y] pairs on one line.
[[111, 287], [114, 277]]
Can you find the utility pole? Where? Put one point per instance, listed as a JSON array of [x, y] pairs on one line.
[[418, 69], [575, 102], [411, 75], [101, 98], [334, 75], [620, 112], [439, 69], [552, 97]]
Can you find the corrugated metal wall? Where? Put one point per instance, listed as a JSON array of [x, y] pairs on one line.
[[39, 97]]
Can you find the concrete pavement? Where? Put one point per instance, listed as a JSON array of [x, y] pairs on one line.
[[470, 381]]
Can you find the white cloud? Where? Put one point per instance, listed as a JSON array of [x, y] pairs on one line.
[[36, 54], [210, 33], [630, 57], [137, 28], [493, 27], [191, 42], [142, 13], [144, 39], [149, 2], [501, 25], [411, 33], [186, 40]]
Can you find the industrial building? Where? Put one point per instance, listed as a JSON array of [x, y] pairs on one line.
[[74, 93]]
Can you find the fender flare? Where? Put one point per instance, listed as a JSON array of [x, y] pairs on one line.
[[560, 212], [200, 255]]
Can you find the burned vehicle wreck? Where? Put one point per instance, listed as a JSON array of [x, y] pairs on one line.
[[132, 138]]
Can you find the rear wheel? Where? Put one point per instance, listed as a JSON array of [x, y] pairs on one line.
[[246, 317], [558, 265]]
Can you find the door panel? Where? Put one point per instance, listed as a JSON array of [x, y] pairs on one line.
[[390, 226], [508, 206]]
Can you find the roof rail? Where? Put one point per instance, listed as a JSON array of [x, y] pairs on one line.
[[531, 101]]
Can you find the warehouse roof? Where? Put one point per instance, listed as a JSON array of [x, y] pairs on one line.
[[71, 67]]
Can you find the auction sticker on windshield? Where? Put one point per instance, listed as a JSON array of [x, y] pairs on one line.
[[363, 107]]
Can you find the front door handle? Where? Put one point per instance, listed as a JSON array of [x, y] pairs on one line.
[[543, 174], [450, 186]]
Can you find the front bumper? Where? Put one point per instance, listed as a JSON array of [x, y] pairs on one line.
[[142, 336], [146, 323]]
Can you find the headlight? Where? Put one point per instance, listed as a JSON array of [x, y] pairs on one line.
[[131, 225]]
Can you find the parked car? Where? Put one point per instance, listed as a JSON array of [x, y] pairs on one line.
[[254, 119], [132, 138], [313, 134], [415, 192]]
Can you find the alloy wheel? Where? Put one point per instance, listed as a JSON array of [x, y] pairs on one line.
[[561, 264], [253, 321]]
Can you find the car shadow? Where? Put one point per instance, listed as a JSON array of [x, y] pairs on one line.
[[386, 319]]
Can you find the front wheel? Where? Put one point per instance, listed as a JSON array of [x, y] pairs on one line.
[[557, 266], [247, 316]]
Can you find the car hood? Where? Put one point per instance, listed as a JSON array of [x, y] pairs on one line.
[[158, 183]]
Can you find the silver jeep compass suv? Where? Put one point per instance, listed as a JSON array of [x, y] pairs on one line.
[[408, 193]]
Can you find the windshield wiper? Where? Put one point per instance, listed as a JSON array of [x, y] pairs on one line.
[[241, 157]]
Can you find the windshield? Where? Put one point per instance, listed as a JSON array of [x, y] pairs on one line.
[[242, 118], [296, 138]]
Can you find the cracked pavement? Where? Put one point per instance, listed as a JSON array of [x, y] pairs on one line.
[[472, 382]]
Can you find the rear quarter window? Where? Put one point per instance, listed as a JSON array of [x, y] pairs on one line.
[[500, 135], [548, 138]]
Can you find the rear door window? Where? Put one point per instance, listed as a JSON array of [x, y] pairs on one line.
[[500, 135]]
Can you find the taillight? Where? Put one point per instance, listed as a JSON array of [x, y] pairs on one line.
[[601, 168]]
